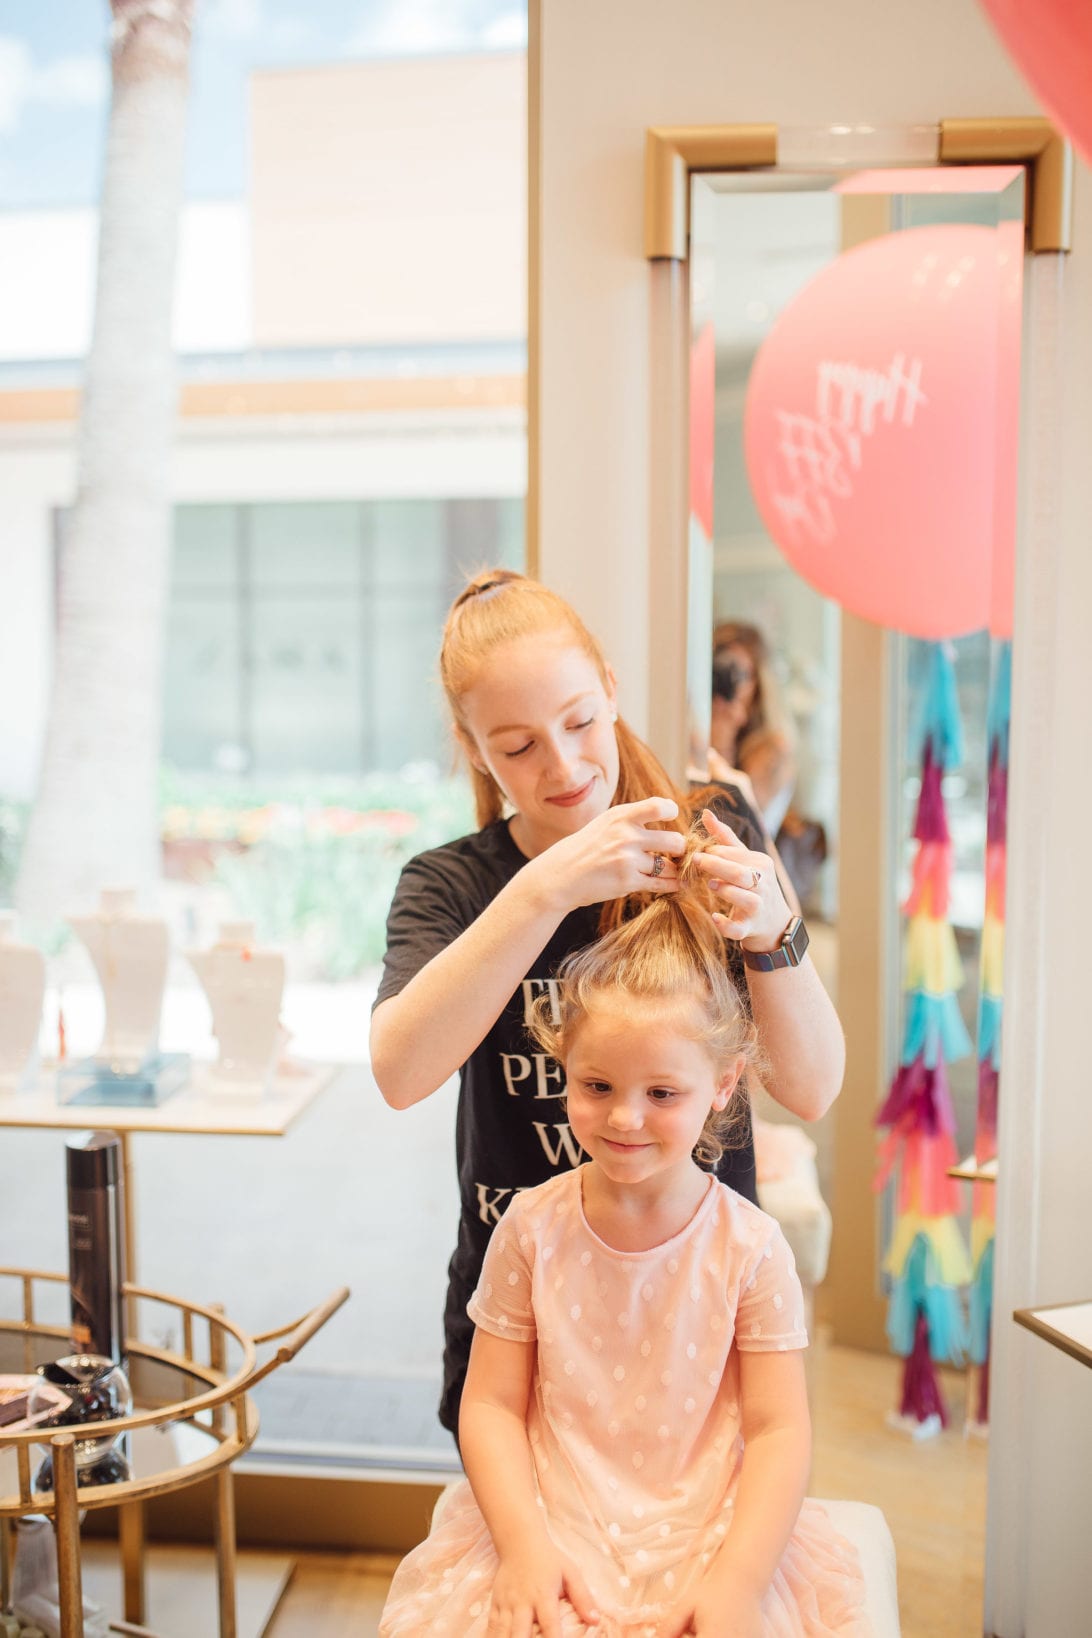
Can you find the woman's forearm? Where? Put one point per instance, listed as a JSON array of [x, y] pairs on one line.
[[801, 1036], [422, 1035]]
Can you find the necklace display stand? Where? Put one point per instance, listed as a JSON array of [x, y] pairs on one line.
[[22, 986], [245, 986], [129, 952]]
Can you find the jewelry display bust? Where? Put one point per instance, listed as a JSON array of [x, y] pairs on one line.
[[22, 986], [245, 986], [130, 956]]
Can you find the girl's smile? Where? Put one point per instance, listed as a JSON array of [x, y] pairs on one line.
[[640, 1085]]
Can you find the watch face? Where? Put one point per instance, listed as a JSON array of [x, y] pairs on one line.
[[795, 941]]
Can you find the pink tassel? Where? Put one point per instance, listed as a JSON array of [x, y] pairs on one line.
[[995, 880], [931, 877], [938, 1195], [921, 1395]]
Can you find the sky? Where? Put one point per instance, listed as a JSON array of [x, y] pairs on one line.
[[55, 77]]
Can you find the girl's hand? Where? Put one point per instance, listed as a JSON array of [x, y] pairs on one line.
[[527, 1594], [717, 1613], [612, 855], [755, 911]]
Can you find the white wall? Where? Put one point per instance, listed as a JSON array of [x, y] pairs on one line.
[[472, 452], [607, 71]]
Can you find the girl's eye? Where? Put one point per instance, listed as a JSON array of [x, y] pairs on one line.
[[511, 755], [578, 727], [661, 1094], [596, 1088]]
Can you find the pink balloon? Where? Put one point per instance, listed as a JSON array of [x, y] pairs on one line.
[[1010, 267], [873, 423], [1050, 42]]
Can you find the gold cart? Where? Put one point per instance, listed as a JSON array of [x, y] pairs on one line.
[[191, 1419]]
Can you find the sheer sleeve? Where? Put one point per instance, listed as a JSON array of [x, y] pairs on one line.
[[502, 1303], [770, 1313]]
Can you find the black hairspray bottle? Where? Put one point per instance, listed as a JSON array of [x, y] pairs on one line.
[[96, 1244]]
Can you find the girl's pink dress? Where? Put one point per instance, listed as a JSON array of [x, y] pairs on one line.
[[634, 1421]]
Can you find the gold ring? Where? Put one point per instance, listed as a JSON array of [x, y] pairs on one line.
[[657, 864]]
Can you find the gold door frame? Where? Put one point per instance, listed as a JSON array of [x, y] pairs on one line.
[[673, 154]]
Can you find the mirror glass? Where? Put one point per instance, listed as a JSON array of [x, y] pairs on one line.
[[768, 621]]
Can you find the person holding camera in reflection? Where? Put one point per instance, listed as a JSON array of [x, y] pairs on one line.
[[752, 748]]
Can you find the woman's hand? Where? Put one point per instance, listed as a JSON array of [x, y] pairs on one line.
[[755, 911], [527, 1594], [612, 855]]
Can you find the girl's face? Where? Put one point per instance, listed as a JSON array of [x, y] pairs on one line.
[[640, 1084], [539, 719]]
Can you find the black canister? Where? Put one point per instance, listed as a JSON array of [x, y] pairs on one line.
[[96, 1243]]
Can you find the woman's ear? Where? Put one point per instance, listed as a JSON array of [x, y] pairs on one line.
[[469, 748], [728, 1082], [611, 684]]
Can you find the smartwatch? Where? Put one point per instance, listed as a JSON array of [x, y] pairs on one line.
[[789, 953]]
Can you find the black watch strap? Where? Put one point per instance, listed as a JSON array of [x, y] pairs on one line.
[[789, 953]]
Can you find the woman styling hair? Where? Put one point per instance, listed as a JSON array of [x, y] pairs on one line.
[[579, 827]]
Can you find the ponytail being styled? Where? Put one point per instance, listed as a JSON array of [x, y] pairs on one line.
[[669, 954]]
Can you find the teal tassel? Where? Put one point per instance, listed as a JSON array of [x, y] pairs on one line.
[[982, 1307], [989, 1030], [938, 718], [918, 1290], [934, 1029], [999, 710]]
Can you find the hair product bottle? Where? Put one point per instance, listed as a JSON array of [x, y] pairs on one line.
[[96, 1243]]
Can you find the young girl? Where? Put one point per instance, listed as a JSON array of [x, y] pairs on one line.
[[579, 825], [634, 1424]]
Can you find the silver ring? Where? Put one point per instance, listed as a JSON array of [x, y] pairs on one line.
[[756, 877], [657, 864]]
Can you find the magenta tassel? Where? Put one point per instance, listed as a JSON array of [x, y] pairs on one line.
[[931, 823], [919, 1099], [921, 1396], [997, 800], [987, 1095]]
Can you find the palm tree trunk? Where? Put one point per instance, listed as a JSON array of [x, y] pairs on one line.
[[94, 822]]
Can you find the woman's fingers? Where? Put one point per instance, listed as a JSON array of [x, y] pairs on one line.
[[718, 830], [720, 869], [650, 810]]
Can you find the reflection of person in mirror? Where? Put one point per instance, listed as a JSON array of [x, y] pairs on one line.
[[580, 826], [747, 730], [635, 1424], [752, 746]]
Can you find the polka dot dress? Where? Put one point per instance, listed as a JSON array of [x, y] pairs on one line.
[[634, 1420]]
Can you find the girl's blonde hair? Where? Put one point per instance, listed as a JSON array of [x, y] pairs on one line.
[[670, 954], [497, 606]]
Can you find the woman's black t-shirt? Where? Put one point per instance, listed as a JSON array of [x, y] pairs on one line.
[[511, 1132]]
